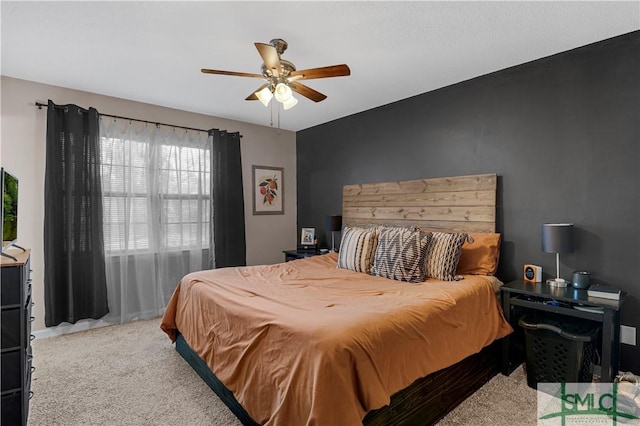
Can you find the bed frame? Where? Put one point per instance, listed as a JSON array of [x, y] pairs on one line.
[[465, 203], [424, 402]]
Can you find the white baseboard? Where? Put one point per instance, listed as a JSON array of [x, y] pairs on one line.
[[66, 328], [88, 324]]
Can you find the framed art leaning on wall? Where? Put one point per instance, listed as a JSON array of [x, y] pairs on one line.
[[308, 236], [268, 190]]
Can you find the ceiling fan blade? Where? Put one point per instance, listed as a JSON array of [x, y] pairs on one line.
[[252, 96], [307, 92], [270, 57], [238, 74], [323, 72]]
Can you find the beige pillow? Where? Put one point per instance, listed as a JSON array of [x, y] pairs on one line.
[[357, 249], [443, 255]]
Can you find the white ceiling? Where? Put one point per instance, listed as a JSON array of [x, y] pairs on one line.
[[152, 51]]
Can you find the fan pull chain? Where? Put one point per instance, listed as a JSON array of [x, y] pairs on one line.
[[271, 122]]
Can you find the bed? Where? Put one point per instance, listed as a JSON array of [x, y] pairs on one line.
[[306, 342]]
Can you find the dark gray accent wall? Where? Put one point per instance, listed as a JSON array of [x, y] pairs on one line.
[[562, 133]]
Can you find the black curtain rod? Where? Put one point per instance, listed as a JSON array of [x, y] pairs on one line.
[[40, 105]]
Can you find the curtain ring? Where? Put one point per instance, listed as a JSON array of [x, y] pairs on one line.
[[66, 109]]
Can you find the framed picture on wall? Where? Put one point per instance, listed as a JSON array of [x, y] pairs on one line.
[[268, 190]]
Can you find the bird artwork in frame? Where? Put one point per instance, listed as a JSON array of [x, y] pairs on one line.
[[268, 190]]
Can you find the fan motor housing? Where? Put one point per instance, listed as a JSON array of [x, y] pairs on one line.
[[287, 68]]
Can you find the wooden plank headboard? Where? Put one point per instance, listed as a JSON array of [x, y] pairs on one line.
[[461, 203]]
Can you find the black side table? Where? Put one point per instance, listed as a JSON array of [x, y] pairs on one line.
[[299, 254], [564, 301]]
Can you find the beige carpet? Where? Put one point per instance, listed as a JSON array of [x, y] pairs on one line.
[[131, 375]]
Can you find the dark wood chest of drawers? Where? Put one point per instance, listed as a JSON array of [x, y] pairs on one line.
[[16, 352]]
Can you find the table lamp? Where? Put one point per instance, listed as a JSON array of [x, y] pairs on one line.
[[333, 224], [557, 238]]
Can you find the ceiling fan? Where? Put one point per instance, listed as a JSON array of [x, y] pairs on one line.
[[282, 77]]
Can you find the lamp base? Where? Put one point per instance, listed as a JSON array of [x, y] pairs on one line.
[[557, 282]]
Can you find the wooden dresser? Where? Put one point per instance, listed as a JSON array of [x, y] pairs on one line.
[[16, 338]]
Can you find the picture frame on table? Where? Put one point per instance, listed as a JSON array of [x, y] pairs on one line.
[[308, 236], [268, 190]]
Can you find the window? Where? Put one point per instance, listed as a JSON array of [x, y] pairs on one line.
[[156, 190], [185, 194]]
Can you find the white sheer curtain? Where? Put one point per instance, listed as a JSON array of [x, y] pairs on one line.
[[156, 198]]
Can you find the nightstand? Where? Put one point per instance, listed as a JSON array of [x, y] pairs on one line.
[[520, 297], [298, 254]]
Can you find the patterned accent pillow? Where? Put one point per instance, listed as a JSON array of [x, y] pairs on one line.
[[401, 254], [357, 248], [443, 255]]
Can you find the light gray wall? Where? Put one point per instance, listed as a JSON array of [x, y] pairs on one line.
[[22, 151]]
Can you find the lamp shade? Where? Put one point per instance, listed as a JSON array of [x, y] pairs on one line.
[[333, 223], [557, 238]]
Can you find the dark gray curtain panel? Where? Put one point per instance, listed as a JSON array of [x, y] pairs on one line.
[[228, 242], [74, 268]]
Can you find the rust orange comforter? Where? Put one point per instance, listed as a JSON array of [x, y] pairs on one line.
[[306, 343]]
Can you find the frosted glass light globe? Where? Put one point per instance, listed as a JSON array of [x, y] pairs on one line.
[[264, 96], [282, 93], [290, 103]]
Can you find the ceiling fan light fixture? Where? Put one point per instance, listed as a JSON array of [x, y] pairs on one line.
[[264, 96], [282, 93], [290, 103], [280, 77]]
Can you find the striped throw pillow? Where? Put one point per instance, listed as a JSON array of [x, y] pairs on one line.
[[357, 249], [443, 255], [401, 254]]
